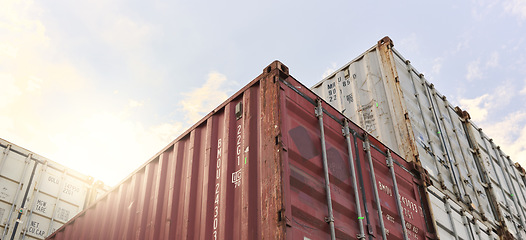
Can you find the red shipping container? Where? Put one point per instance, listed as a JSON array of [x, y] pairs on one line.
[[257, 167]]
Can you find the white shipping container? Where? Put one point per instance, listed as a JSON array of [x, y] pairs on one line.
[[452, 222], [504, 178], [385, 95], [37, 195]]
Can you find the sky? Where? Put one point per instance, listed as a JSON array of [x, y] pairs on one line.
[[102, 86]]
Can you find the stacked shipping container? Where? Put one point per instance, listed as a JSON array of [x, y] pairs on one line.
[[37, 195], [474, 183], [272, 162]]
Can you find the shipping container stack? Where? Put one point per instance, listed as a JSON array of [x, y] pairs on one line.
[[37, 195], [272, 162], [279, 161], [476, 191]]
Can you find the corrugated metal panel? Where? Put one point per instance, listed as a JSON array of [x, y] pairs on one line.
[[306, 178], [454, 222], [382, 92], [258, 167], [37, 195], [504, 178]]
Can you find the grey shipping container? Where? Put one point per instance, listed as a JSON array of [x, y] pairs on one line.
[[37, 195], [382, 92]]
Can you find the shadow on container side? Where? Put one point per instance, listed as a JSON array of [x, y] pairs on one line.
[[272, 162]]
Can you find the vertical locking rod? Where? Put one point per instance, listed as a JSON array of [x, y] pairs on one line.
[[375, 188], [346, 133], [397, 194], [330, 219]]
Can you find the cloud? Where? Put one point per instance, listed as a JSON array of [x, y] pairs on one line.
[[463, 44], [9, 91], [476, 107], [503, 94], [134, 103], [329, 70], [516, 8], [31, 72], [201, 101], [131, 40], [508, 131], [126, 34], [493, 61], [473, 71], [9, 94], [33, 84], [479, 107], [27, 53], [8, 126], [483, 8], [50, 107], [9, 50], [510, 134], [437, 65], [22, 34], [100, 142], [166, 132], [410, 43]]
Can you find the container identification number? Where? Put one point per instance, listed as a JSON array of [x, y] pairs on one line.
[[409, 208], [217, 189], [236, 176]]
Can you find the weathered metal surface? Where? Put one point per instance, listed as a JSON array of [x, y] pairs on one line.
[[37, 195], [384, 94], [453, 222], [254, 169], [307, 199], [503, 178]]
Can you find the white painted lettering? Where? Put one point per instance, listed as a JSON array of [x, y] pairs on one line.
[[217, 192]]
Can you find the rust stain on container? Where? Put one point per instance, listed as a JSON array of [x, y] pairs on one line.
[[403, 129], [252, 169]]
